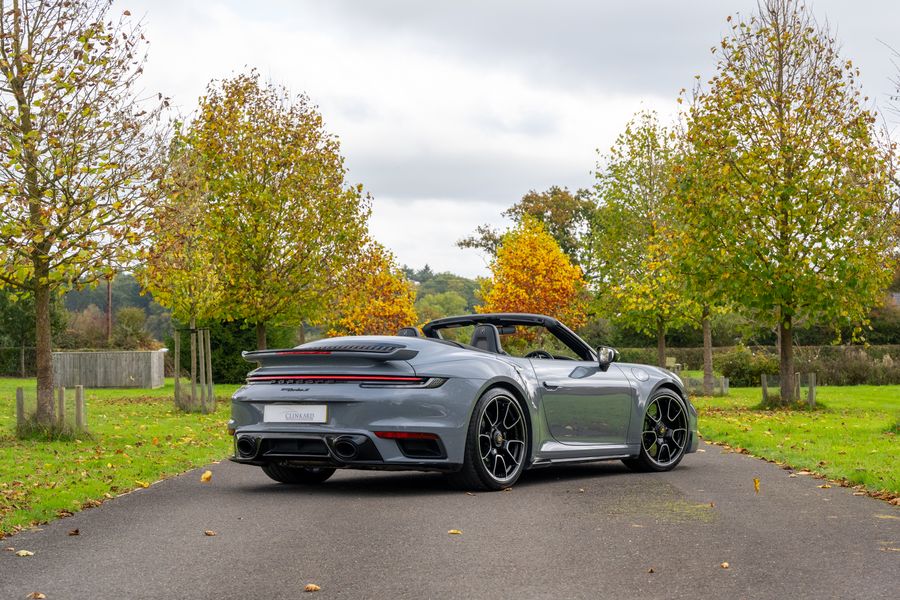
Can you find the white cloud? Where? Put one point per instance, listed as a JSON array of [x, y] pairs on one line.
[[447, 125]]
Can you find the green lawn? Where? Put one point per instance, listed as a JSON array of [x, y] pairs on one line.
[[136, 438], [852, 436]]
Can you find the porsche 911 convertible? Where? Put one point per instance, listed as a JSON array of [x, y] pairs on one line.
[[478, 397]]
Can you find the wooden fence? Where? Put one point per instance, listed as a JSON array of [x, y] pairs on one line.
[[124, 368]]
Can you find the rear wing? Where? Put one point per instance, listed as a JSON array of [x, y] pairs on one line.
[[382, 352]]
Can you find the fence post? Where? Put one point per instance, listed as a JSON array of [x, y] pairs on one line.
[[61, 402], [79, 407], [724, 386], [811, 394], [765, 388], [797, 386], [20, 407]]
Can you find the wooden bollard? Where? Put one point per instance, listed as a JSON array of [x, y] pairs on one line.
[[61, 405], [724, 386], [20, 407], [79, 407], [765, 388], [811, 393]]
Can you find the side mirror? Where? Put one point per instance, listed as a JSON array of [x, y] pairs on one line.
[[606, 356]]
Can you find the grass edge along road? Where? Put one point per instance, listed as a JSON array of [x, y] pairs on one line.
[[136, 438], [850, 438]]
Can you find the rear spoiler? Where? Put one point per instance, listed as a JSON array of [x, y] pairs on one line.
[[288, 356]]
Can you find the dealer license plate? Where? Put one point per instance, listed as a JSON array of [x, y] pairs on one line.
[[295, 413]]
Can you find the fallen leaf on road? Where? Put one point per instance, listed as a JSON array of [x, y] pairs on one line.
[[74, 532], [895, 502], [859, 493], [650, 570], [24, 553], [792, 475], [35, 596], [724, 565], [804, 473], [889, 549], [143, 484], [469, 494], [311, 587], [756, 484], [209, 532], [886, 517], [455, 532], [712, 504], [10, 549], [206, 477], [824, 486], [580, 490], [509, 489], [701, 450]]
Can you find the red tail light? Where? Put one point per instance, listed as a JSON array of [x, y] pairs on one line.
[[406, 435]]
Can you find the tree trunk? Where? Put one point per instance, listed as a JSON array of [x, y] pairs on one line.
[[707, 354], [661, 343], [260, 336], [109, 328], [786, 354], [210, 392], [177, 337], [43, 347], [201, 356], [193, 401]]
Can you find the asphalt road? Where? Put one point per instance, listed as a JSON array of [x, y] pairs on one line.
[[576, 532]]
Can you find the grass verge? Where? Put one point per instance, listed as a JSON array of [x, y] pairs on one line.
[[851, 437], [136, 438]]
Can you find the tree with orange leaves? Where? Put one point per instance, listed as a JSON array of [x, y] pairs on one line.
[[376, 299], [532, 274]]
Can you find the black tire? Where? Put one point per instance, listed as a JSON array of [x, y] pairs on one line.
[[664, 434], [297, 475], [505, 445]]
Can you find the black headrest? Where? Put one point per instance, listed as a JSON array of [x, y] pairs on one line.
[[408, 332], [486, 337]]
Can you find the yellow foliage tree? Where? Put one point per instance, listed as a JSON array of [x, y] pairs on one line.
[[532, 274], [376, 298]]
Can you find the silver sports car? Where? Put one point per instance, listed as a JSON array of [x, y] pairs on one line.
[[479, 397]]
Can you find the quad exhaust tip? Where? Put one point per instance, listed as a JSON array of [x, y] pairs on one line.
[[345, 448], [246, 446]]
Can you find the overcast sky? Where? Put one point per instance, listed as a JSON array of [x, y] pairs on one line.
[[448, 111]]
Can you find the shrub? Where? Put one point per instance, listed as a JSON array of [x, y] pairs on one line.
[[743, 367]]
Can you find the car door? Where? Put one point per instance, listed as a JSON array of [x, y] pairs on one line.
[[582, 404]]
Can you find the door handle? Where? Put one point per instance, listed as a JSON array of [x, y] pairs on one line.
[[550, 386]]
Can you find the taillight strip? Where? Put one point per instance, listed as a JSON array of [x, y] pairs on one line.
[[337, 377]]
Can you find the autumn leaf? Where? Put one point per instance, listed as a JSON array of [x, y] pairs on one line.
[[824, 486], [209, 533], [206, 477], [311, 587], [143, 484], [725, 565], [74, 532], [35, 596], [756, 484], [24, 553], [650, 570], [455, 532]]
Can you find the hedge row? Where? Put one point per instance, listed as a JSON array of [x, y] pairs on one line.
[[833, 365]]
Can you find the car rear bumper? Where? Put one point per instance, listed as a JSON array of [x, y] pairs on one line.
[[339, 449]]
